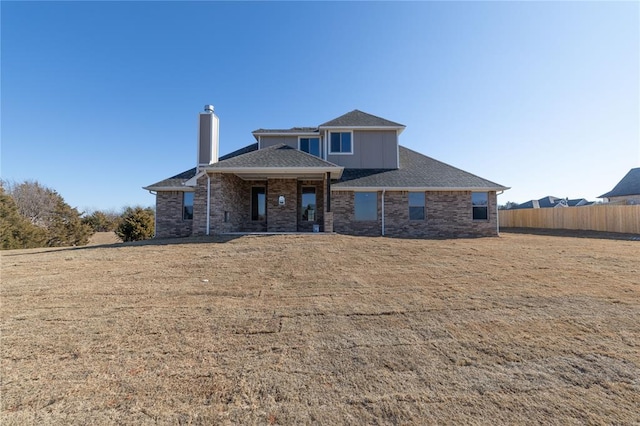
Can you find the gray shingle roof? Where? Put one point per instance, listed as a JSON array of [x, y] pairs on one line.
[[292, 130], [248, 148], [629, 185], [176, 181], [357, 118], [416, 171], [179, 180], [276, 156]]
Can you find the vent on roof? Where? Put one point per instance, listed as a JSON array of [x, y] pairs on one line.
[[208, 108]]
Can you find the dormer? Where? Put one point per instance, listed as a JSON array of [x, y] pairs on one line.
[[353, 140], [362, 141]]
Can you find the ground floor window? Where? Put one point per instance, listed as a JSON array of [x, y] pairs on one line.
[[308, 205], [365, 206], [416, 206], [480, 203], [187, 205], [258, 203]]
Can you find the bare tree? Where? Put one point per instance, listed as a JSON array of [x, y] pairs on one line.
[[35, 202]]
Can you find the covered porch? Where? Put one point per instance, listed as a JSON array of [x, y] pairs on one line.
[[291, 194]]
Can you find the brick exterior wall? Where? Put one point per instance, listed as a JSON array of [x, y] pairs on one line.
[[448, 214], [200, 207], [343, 216], [169, 223], [228, 194], [282, 218]]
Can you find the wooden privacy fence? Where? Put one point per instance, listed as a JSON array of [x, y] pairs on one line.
[[625, 219]]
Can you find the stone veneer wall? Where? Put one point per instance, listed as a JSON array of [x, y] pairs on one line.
[[282, 218], [448, 214], [169, 222]]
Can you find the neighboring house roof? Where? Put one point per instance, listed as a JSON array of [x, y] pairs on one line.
[[551, 202], [357, 118], [629, 185], [577, 202], [279, 159], [416, 171]]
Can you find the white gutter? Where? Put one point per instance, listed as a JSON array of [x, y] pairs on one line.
[[498, 213], [167, 188], [336, 172], [383, 191], [208, 203], [412, 188]]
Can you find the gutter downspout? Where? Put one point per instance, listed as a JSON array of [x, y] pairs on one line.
[[383, 191], [498, 214], [208, 203]]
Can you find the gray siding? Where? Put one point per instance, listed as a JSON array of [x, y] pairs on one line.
[[204, 146], [375, 149], [267, 141]]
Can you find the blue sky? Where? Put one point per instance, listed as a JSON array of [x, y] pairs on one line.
[[101, 98]]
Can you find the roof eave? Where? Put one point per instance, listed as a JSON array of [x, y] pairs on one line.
[[338, 187], [400, 129], [336, 172], [169, 188]]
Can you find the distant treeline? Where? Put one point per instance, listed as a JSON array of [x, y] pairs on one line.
[[33, 215]]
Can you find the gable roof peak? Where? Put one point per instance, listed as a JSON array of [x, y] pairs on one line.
[[357, 118]]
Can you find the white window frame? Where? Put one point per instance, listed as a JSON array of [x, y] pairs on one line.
[[329, 142], [319, 144], [486, 206]]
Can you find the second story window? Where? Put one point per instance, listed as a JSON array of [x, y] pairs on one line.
[[340, 143], [310, 145]]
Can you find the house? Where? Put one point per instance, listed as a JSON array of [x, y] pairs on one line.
[[627, 191], [552, 202], [348, 175]]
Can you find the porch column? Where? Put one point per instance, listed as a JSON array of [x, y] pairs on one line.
[[328, 214], [328, 191]]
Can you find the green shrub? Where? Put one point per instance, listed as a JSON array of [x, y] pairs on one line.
[[136, 223], [16, 232], [65, 227], [101, 221]]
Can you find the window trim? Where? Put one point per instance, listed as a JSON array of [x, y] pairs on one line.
[[184, 193], [424, 206], [311, 137], [329, 142], [377, 218], [486, 207], [264, 188]]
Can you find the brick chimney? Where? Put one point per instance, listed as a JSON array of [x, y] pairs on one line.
[[208, 126]]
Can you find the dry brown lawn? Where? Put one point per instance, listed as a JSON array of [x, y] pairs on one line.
[[323, 330]]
